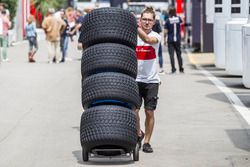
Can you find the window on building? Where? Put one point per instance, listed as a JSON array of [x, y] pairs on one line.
[[218, 10], [235, 10], [235, 1], [218, 2]]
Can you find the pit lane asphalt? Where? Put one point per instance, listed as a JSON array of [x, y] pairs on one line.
[[40, 109]]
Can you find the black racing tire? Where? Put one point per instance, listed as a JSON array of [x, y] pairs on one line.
[[109, 57], [108, 126], [110, 24], [110, 86], [85, 155]]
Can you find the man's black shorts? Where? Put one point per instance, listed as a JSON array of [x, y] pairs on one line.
[[149, 94]]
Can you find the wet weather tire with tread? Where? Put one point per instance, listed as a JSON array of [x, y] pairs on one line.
[[110, 86], [109, 57], [108, 125], [105, 25]]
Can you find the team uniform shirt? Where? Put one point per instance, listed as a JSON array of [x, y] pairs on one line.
[[173, 26], [147, 60]]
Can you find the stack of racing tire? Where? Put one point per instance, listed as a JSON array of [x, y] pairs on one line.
[[109, 90]]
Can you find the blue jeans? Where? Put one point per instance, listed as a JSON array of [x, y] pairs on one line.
[[160, 56], [32, 43], [64, 46]]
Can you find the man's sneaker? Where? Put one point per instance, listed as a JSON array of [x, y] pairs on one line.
[[161, 71], [6, 60], [140, 138], [182, 70], [147, 148]]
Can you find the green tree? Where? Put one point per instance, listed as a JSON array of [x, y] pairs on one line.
[[44, 5], [11, 5]]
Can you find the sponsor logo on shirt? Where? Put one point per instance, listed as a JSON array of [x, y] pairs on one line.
[[145, 53], [174, 20]]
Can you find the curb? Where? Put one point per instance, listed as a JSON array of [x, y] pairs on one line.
[[201, 58]]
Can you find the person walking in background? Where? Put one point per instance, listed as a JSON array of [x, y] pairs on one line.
[[53, 28], [70, 15], [147, 78], [79, 19], [172, 30], [5, 25], [31, 35], [64, 37], [3, 8]]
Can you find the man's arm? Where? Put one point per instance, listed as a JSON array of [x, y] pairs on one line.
[[146, 38], [77, 27]]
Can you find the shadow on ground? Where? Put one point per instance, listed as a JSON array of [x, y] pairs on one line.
[[220, 75], [218, 96], [229, 85], [221, 97], [211, 67], [205, 82], [236, 86], [103, 161], [240, 138]]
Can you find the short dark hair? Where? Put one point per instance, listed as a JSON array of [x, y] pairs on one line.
[[171, 11], [148, 9]]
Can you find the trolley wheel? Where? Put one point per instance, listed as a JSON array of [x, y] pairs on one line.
[[136, 152], [85, 155]]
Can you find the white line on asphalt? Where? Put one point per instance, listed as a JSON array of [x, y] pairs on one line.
[[234, 100]]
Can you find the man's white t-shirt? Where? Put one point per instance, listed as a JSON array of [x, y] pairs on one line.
[[147, 60]]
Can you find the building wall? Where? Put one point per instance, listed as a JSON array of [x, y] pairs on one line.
[[196, 24], [207, 33], [202, 32]]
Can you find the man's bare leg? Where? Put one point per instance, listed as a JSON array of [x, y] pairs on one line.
[[149, 125], [138, 127], [140, 134]]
